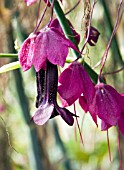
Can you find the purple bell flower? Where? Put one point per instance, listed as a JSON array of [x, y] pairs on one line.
[[48, 44], [120, 124], [107, 104], [73, 82]]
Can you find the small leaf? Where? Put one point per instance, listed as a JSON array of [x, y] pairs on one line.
[[10, 67]]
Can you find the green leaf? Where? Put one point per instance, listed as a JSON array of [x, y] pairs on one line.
[[10, 67], [6, 55]]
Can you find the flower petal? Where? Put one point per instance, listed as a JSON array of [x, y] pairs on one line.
[[43, 114], [121, 123], [74, 81], [30, 2], [26, 53], [106, 105], [64, 102], [54, 114], [69, 88], [52, 45], [93, 37], [58, 46], [40, 51], [83, 103], [65, 114], [105, 126], [55, 24], [93, 110]]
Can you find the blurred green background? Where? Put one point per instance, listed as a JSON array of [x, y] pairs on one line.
[[55, 145]]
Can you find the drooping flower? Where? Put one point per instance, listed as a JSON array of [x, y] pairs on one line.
[[47, 106], [48, 44], [30, 2], [55, 24], [120, 124], [93, 36], [73, 82], [107, 104]]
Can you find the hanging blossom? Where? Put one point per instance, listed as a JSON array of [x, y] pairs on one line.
[[102, 100], [45, 50], [48, 44], [120, 123], [108, 105], [75, 81], [105, 104], [47, 82]]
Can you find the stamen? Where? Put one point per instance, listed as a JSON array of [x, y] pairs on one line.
[[109, 150], [119, 151], [82, 123], [75, 130], [81, 138]]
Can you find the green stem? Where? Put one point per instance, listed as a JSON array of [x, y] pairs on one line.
[[4, 55], [67, 30]]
